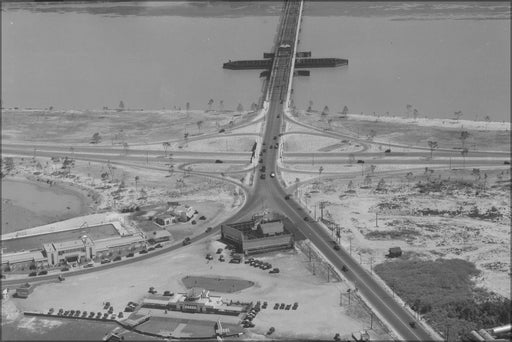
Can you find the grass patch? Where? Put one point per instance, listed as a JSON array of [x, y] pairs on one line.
[[443, 292], [226, 285]]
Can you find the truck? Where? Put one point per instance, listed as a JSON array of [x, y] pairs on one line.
[[186, 241]]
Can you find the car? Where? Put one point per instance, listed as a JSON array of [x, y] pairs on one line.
[[218, 161], [120, 315], [306, 218], [168, 293], [89, 265], [111, 310], [260, 161], [271, 147], [77, 313], [144, 251], [84, 314], [262, 176], [275, 137], [387, 151], [263, 168], [264, 306], [247, 261], [360, 161], [412, 324], [43, 272], [221, 258], [506, 162], [72, 313], [278, 116], [272, 174], [65, 313], [98, 315], [295, 306], [186, 241], [105, 261], [152, 290], [106, 306], [151, 249], [271, 331], [276, 306], [337, 247], [209, 229], [113, 316], [105, 315], [209, 256], [288, 307], [276, 145], [32, 274], [282, 306], [274, 270], [117, 258], [202, 218], [287, 197], [264, 150], [222, 130], [51, 311], [158, 245], [91, 314], [219, 250], [344, 268], [64, 269]]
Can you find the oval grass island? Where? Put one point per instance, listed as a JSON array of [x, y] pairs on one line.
[[217, 284]]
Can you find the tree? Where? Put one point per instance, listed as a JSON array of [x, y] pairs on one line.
[[345, 110], [350, 186], [221, 105], [458, 114], [166, 146], [199, 124], [96, 138], [325, 112], [432, 145], [408, 109], [210, 103], [187, 106], [185, 136], [463, 136], [9, 164], [310, 107], [381, 185], [409, 175], [136, 180], [121, 105], [464, 153], [415, 113], [487, 118], [254, 107], [372, 168], [240, 108], [320, 170]]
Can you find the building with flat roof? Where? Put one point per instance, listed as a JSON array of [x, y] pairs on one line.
[[159, 236], [261, 234], [23, 260]]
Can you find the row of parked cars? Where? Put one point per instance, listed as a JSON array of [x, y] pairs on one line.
[[284, 306], [85, 314], [261, 264], [247, 322]]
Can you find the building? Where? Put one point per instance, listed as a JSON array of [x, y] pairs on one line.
[[395, 252], [261, 234], [24, 290], [183, 213], [165, 219], [194, 300], [22, 261], [159, 236]]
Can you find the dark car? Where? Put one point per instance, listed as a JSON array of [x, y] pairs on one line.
[[221, 258], [222, 130], [218, 161], [106, 306], [344, 268], [186, 241], [158, 245], [412, 324], [264, 306], [288, 307], [209, 229], [117, 258], [287, 197], [306, 218], [506, 162], [282, 306], [64, 269], [337, 247], [168, 293], [105, 261], [388, 151], [209, 256], [32, 274], [219, 250], [295, 306], [271, 331], [129, 255], [274, 270], [276, 306], [43, 272], [143, 251], [360, 161], [261, 161]]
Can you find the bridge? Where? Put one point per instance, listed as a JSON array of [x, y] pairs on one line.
[[269, 192]]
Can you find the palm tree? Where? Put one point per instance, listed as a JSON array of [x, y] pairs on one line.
[[136, 180], [210, 103], [199, 124], [432, 145]]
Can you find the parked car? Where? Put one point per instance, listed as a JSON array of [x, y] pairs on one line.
[[168, 293], [221, 258], [387, 151], [152, 290], [360, 161], [506, 162], [51, 311], [84, 314], [43, 272], [218, 161], [144, 251], [89, 265], [337, 247], [264, 306], [151, 249], [274, 270], [91, 314], [222, 130], [117, 258], [276, 306], [106, 306], [209, 256], [120, 315], [287, 197], [295, 306], [32, 274], [219, 250], [64, 269], [209, 229], [271, 331], [186, 241], [105, 261], [111, 310], [412, 324], [282, 306], [288, 307]]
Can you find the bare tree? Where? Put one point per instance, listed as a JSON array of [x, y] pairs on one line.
[[187, 106], [297, 180], [199, 124], [464, 153], [136, 181], [210, 103], [310, 107], [408, 109], [463, 136], [221, 105], [372, 168], [345, 110], [240, 108], [350, 185], [372, 135], [125, 147], [320, 170], [121, 105], [325, 112], [381, 185], [415, 113], [166, 146], [458, 114], [367, 180], [96, 138], [432, 145]]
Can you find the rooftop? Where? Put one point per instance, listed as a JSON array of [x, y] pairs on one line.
[[13, 258]]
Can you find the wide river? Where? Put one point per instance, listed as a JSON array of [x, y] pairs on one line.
[[438, 57]]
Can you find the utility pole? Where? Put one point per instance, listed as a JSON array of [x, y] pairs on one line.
[[147, 157], [376, 219], [350, 240]]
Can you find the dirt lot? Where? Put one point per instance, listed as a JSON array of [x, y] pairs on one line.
[[165, 272]]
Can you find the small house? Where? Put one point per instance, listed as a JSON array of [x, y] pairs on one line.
[[395, 252], [24, 290], [159, 236], [165, 219]]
